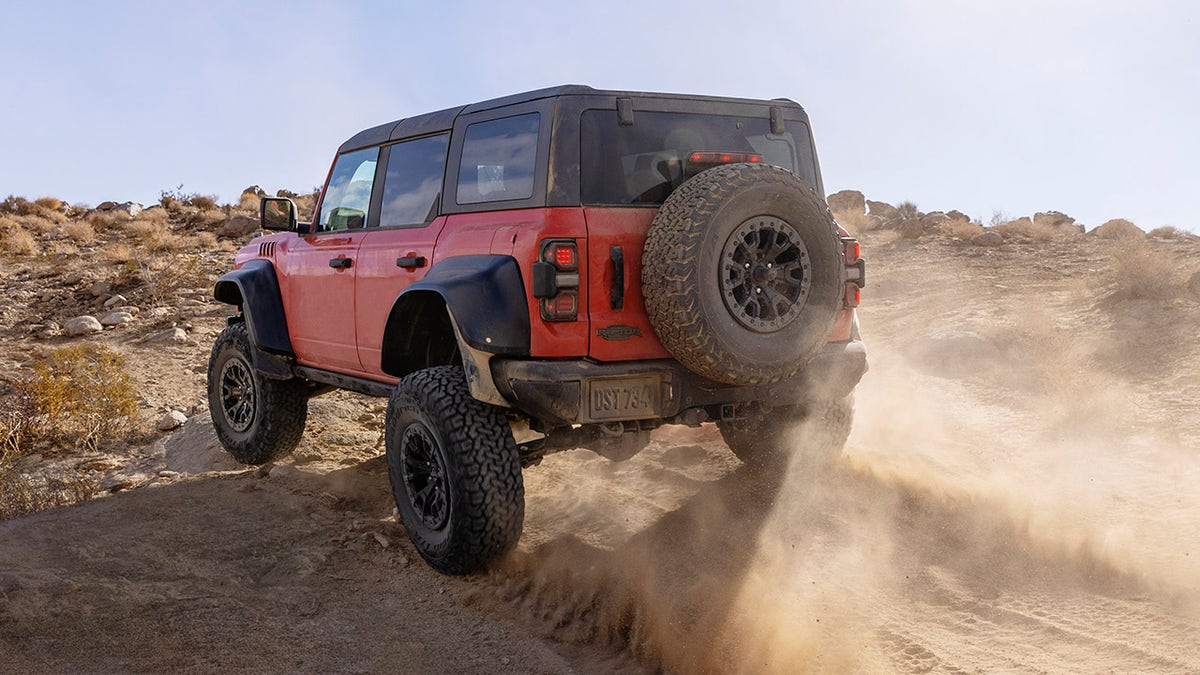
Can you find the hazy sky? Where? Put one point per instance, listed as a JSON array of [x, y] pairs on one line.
[[1088, 107]]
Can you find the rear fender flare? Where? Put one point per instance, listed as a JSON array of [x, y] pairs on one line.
[[484, 296]]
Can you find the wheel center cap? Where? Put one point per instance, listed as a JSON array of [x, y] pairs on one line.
[[762, 274]]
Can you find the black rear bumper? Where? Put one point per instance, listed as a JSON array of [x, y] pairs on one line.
[[583, 392]]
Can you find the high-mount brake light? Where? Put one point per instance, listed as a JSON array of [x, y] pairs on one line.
[[715, 158], [556, 280]]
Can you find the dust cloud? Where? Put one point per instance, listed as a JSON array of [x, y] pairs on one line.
[[1010, 498]]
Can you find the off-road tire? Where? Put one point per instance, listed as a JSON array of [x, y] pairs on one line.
[[478, 467], [770, 437], [266, 420], [692, 243]]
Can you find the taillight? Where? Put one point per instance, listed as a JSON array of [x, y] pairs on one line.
[[556, 280], [856, 272]]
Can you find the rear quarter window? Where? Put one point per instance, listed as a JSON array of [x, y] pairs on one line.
[[498, 160]]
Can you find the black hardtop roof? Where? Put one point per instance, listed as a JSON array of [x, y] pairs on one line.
[[443, 120]]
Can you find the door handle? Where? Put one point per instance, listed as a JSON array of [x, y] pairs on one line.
[[341, 263], [411, 261]]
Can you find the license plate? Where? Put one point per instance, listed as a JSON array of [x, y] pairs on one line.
[[623, 398]]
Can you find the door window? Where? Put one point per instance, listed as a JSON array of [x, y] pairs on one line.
[[348, 196], [413, 181], [498, 160]]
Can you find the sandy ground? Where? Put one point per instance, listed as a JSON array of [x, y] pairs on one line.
[[1018, 495]]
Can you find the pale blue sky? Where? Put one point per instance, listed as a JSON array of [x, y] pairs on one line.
[[1088, 107]]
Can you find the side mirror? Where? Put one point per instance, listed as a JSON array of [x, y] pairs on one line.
[[277, 213]]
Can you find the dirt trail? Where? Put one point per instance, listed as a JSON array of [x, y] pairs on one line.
[[1017, 495]]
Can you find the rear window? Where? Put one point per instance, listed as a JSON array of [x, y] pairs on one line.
[[643, 162]]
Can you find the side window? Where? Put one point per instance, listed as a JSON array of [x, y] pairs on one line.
[[348, 195], [498, 160], [413, 181]]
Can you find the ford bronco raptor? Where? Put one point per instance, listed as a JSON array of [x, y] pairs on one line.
[[564, 268]]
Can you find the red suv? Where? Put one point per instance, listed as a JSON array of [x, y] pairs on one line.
[[557, 269]]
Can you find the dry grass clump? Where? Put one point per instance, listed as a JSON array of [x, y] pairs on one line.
[[1137, 273], [962, 230], [1167, 232], [21, 495], [79, 230], [78, 396], [1024, 228], [248, 201], [164, 276], [154, 235], [15, 239]]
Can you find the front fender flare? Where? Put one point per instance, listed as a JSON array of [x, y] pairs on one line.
[[255, 289]]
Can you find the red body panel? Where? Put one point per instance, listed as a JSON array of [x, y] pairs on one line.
[[380, 280], [319, 299], [624, 227], [519, 233]]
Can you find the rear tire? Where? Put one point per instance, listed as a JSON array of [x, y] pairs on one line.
[[767, 439], [257, 419], [455, 471]]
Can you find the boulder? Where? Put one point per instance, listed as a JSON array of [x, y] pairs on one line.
[[1119, 228], [82, 325], [100, 289], [131, 209], [847, 201], [882, 210], [115, 300], [107, 206], [911, 228], [255, 190], [988, 238], [238, 226], [175, 335]]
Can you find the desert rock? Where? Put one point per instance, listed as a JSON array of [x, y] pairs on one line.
[[1119, 228], [847, 201], [82, 325]]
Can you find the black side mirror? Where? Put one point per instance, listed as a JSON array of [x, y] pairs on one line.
[[277, 213]]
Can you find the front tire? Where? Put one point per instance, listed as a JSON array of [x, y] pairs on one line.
[[455, 471], [257, 419]]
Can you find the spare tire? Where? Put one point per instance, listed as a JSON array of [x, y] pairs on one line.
[[742, 273]]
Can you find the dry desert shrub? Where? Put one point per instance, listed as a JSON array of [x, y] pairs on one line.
[[1119, 228], [104, 220], [1167, 232], [154, 235], [79, 230], [248, 201], [120, 252], [15, 239], [1137, 273], [164, 276], [21, 495], [80, 396], [962, 230], [206, 240], [1024, 228]]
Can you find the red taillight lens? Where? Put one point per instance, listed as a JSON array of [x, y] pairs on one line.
[[853, 295], [562, 307], [564, 255], [853, 251]]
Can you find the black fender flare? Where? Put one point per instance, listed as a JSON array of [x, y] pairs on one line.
[[485, 296], [255, 289]]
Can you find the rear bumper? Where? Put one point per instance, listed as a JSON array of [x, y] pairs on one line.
[[583, 392]]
